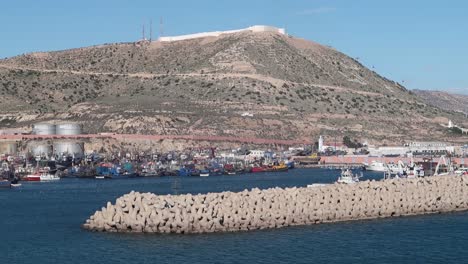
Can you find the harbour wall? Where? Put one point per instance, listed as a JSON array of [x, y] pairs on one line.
[[276, 207]]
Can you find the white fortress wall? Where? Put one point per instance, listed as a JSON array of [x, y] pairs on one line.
[[257, 28]]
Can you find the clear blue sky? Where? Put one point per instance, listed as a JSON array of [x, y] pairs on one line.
[[421, 42]]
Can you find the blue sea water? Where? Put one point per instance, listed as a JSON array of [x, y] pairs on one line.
[[40, 223]]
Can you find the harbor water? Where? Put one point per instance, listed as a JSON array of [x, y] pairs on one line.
[[40, 223]]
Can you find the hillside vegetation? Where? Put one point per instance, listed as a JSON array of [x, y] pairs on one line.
[[295, 89], [444, 100]]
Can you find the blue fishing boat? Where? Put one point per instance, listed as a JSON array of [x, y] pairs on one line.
[[204, 173]]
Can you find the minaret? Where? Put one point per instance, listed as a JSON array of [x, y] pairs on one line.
[[320, 144]]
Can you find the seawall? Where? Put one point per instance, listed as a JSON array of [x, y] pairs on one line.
[[276, 207]]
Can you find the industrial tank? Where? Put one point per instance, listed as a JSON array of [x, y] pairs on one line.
[[42, 150], [43, 129], [68, 147], [9, 148], [68, 129]]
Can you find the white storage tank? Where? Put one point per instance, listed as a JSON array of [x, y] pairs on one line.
[[68, 147], [68, 129], [44, 129], [42, 150]]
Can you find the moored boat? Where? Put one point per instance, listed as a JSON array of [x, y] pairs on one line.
[[48, 177], [257, 169], [204, 173], [280, 167], [376, 166], [33, 177], [347, 177]]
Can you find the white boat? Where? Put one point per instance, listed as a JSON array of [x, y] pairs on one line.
[[376, 166], [99, 177], [204, 174], [347, 177], [49, 177], [461, 171]]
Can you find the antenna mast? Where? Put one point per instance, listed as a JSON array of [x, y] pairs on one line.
[[143, 32]]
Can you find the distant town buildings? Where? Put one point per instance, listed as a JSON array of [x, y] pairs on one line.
[[335, 145]]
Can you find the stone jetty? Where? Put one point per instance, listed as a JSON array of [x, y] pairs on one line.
[[276, 207]]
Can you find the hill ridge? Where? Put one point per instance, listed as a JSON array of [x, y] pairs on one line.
[[294, 88]]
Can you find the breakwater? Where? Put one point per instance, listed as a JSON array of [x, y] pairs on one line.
[[276, 207]]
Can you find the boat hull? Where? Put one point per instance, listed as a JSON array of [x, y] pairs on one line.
[[33, 178]]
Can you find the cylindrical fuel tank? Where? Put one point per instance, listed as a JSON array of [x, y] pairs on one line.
[[68, 129], [68, 147], [42, 150], [9, 148]]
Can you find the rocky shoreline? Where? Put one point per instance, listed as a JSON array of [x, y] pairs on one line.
[[275, 208]]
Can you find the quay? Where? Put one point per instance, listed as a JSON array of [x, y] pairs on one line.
[[275, 208]]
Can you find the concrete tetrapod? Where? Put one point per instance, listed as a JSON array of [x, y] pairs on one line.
[[276, 207]]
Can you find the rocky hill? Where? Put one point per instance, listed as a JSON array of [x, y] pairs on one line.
[[444, 100], [294, 88]]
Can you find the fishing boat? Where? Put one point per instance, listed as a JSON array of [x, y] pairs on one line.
[[347, 177], [204, 173], [45, 176], [290, 164], [280, 167], [257, 169], [461, 171], [376, 166], [216, 171], [15, 183], [229, 169], [33, 177]]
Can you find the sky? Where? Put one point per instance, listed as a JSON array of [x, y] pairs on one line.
[[421, 44]]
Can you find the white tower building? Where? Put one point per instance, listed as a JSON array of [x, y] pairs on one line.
[[320, 144]]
